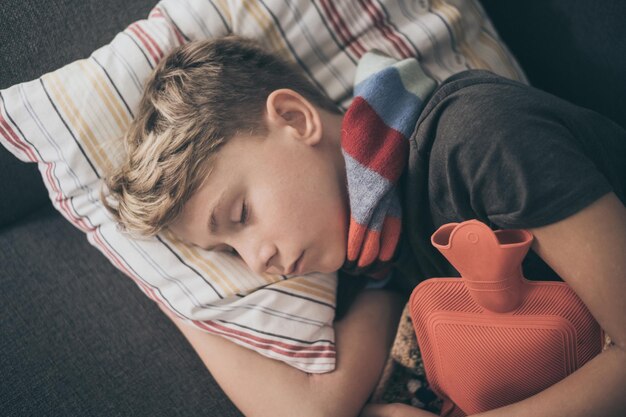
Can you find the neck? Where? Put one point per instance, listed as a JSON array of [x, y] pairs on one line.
[[332, 123], [332, 127]]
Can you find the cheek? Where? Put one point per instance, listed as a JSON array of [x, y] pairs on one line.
[[306, 217], [332, 221], [304, 203]]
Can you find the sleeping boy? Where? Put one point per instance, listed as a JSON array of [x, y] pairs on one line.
[[233, 149]]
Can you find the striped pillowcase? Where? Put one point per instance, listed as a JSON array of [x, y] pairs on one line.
[[70, 122]]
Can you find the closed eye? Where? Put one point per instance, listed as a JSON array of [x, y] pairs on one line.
[[244, 214], [225, 249]]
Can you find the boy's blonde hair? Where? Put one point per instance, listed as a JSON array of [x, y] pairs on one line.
[[198, 97]]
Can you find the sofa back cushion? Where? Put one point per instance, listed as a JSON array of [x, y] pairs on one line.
[[38, 36], [575, 49]]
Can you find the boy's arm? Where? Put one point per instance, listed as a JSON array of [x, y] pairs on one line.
[[260, 386], [587, 250]]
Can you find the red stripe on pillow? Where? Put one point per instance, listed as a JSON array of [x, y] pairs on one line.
[[151, 40], [268, 344], [146, 44], [342, 29], [11, 137], [378, 20], [158, 13]]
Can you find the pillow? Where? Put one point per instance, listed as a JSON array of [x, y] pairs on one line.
[[70, 122]]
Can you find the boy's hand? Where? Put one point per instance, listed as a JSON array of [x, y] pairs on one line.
[[394, 410]]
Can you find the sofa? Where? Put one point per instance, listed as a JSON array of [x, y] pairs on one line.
[[77, 337]]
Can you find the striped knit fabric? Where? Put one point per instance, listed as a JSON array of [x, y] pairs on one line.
[[389, 96], [70, 122]]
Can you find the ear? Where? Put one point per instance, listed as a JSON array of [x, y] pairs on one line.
[[287, 109]]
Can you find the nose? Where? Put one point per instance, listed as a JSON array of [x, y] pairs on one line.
[[260, 257]]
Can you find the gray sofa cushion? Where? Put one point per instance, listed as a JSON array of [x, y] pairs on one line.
[[21, 189], [38, 36], [79, 338]]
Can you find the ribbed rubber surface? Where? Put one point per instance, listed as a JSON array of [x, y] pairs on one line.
[[479, 360]]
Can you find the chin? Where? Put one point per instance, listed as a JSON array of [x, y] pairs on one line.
[[337, 263], [331, 260]]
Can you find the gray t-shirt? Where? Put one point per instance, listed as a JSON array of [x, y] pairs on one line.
[[504, 153]]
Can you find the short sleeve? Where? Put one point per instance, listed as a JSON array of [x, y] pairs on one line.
[[507, 154]]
